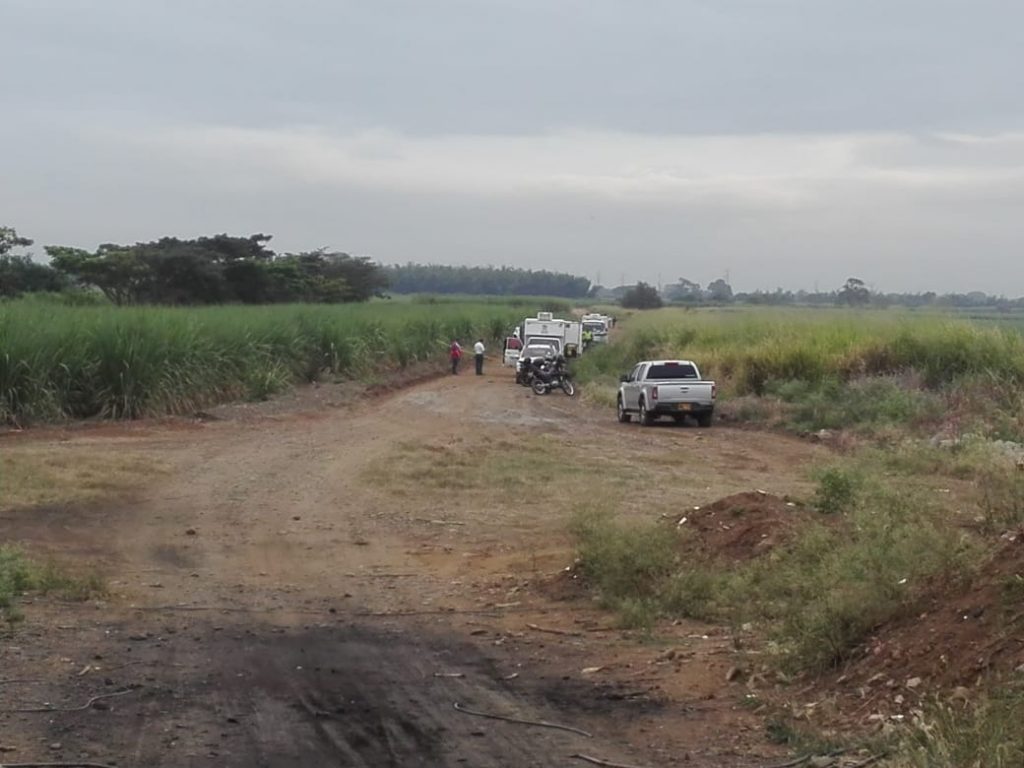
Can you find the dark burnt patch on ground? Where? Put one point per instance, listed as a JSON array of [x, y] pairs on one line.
[[192, 692], [63, 530]]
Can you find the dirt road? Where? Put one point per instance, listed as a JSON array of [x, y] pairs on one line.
[[322, 587]]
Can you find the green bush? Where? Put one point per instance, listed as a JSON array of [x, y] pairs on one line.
[[690, 591], [838, 490]]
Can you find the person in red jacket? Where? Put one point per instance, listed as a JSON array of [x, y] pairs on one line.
[[455, 353]]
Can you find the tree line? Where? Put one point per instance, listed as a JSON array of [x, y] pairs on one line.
[[488, 281], [204, 270], [228, 269], [853, 293]]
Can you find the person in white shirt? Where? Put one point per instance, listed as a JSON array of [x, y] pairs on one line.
[[478, 352]]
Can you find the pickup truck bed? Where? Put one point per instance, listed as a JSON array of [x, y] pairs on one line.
[[666, 388]]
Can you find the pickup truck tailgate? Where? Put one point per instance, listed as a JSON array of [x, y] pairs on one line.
[[688, 392]]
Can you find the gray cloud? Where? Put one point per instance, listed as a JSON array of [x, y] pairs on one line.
[[790, 141]]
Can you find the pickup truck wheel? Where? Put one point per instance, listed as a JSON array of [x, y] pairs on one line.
[[704, 419], [646, 418], [624, 417]]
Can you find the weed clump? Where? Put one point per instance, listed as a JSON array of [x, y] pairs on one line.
[[1002, 497], [19, 575], [628, 566], [15, 578], [838, 490], [987, 734]]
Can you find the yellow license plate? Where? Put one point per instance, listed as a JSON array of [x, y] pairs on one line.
[[684, 406]]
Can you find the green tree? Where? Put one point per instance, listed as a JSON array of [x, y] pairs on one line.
[[854, 293], [642, 296], [363, 278], [18, 272], [719, 291], [115, 270], [684, 291], [9, 240], [210, 270]]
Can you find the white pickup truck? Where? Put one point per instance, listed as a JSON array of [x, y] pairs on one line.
[[666, 388]]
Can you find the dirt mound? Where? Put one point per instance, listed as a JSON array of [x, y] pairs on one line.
[[742, 526], [565, 586], [961, 636]]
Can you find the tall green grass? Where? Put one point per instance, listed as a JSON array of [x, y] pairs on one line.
[[60, 361], [747, 349], [839, 367]]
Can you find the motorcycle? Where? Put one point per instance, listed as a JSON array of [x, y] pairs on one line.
[[526, 371], [544, 380]]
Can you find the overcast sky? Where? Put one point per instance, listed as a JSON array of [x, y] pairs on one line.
[[789, 142]]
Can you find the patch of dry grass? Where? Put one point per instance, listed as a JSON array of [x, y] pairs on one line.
[[502, 472], [985, 735], [33, 475]]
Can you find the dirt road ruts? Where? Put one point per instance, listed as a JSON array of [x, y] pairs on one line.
[[275, 603]]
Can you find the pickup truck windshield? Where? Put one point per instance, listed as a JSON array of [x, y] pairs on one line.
[[672, 371]]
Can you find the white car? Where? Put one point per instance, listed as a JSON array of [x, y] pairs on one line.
[[533, 351]]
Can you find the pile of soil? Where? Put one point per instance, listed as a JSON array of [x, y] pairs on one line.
[[960, 637], [569, 584], [742, 526]]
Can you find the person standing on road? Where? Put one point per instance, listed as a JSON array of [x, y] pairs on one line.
[[455, 353], [478, 352]]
